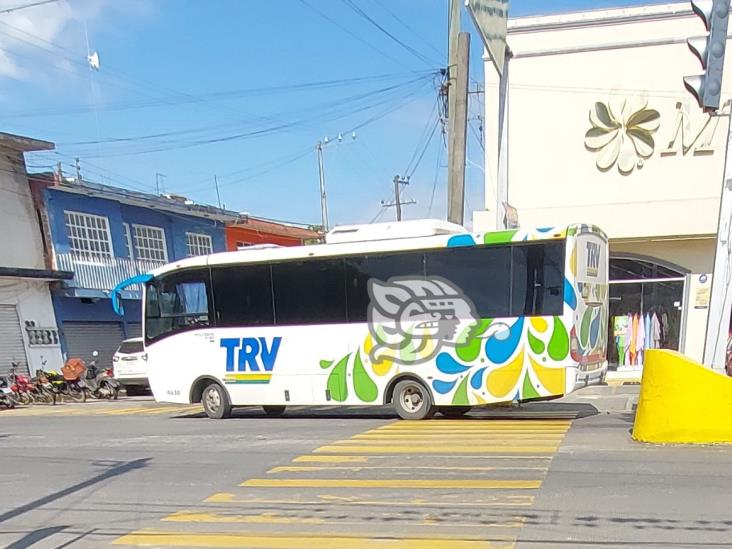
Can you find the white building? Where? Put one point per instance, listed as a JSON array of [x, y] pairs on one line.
[[602, 130], [28, 332]]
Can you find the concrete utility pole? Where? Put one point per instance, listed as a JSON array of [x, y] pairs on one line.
[[323, 198], [457, 116], [720, 300], [78, 170], [218, 195], [398, 202]]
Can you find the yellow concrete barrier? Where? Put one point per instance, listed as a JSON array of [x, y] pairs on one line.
[[682, 401]]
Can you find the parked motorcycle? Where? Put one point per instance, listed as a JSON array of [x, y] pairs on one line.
[[100, 383], [74, 386], [28, 391], [7, 397]]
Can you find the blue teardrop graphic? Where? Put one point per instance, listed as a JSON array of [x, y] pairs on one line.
[[569, 296], [460, 240], [448, 365], [476, 382], [500, 350], [443, 387]]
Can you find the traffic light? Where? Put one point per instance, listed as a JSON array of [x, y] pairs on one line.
[[707, 87]]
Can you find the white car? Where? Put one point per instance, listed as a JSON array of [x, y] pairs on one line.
[[130, 365]]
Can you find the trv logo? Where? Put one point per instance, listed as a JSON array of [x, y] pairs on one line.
[[593, 258], [252, 354]]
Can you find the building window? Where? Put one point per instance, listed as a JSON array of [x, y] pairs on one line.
[[88, 234], [128, 240], [198, 244], [150, 243]]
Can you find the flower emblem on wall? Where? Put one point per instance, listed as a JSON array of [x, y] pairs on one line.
[[622, 132]]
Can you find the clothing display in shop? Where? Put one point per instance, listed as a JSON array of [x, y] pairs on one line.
[[635, 333]]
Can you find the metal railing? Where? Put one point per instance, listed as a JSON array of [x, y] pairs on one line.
[[101, 272]]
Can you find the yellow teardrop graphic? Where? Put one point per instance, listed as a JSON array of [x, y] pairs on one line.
[[553, 379], [502, 381], [539, 324]]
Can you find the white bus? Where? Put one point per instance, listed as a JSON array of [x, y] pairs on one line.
[[419, 314]]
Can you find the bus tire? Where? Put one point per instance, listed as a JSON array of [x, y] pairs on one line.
[[454, 411], [216, 402], [274, 411], [412, 400]]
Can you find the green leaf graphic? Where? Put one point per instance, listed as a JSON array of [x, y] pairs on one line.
[[325, 364], [461, 395], [585, 327], [528, 390], [365, 387], [536, 344], [337, 380], [469, 351], [559, 342]]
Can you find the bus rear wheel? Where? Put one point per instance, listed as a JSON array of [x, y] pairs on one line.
[[274, 411], [455, 411], [412, 400], [216, 402]]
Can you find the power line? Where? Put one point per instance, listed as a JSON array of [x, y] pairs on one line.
[[434, 182], [26, 6], [351, 34], [409, 28], [407, 47]]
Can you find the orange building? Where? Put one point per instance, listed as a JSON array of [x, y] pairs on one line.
[[250, 231]]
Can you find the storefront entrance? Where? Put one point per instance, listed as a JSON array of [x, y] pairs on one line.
[[646, 310]]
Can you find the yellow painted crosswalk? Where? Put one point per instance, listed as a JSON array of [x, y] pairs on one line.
[[105, 409], [447, 484]]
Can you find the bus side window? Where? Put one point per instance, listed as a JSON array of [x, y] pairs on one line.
[[243, 295], [482, 273], [361, 269], [178, 302], [309, 292], [538, 279]]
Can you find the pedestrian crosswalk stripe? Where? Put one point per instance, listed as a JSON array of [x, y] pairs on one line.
[[437, 449], [332, 459], [358, 468], [302, 541], [435, 500], [463, 484]]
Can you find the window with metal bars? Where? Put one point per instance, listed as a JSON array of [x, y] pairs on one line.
[[149, 243], [89, 237], [198, 244]]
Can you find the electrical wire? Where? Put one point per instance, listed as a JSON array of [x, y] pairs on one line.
[[26, 6], [409, 28], [434, 182], [405, 46]]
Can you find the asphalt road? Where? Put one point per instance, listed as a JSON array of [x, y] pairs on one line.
[[137, 474]]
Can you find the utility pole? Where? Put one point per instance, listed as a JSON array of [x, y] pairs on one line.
[[457, 101], [398, 202], [323, 198], [78, 170], [218, 196], [159, 182]]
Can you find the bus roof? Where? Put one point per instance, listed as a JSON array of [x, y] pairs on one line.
[[436, 234]]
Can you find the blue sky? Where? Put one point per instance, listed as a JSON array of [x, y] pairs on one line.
[[245, 89]]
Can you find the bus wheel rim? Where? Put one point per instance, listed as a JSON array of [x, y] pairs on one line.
[[213, 400], [412, 399]]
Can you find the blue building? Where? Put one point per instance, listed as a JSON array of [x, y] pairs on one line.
[[105, 234]]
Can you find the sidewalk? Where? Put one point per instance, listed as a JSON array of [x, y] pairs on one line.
[[617, 396]]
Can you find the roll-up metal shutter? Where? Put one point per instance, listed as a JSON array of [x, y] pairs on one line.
[[12, 346], [83, 338], [134, 329]]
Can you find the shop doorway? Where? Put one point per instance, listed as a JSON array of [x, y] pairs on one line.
[[646, 310]]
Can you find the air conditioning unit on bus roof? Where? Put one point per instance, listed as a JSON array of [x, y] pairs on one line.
[[388, 231]]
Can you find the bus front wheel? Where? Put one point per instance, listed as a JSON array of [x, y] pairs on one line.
[[274, 411], [412, 400], [216, 402]]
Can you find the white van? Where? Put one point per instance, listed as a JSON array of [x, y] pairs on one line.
[[130, 365]]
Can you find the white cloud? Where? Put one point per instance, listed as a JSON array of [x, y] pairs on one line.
[[51, 34]]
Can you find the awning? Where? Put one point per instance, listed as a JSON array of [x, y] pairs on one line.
[[40, 274]]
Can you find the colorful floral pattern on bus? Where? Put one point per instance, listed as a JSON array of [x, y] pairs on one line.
[[494, 360]]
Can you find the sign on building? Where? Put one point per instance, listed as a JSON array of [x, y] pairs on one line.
[[491, 18]]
